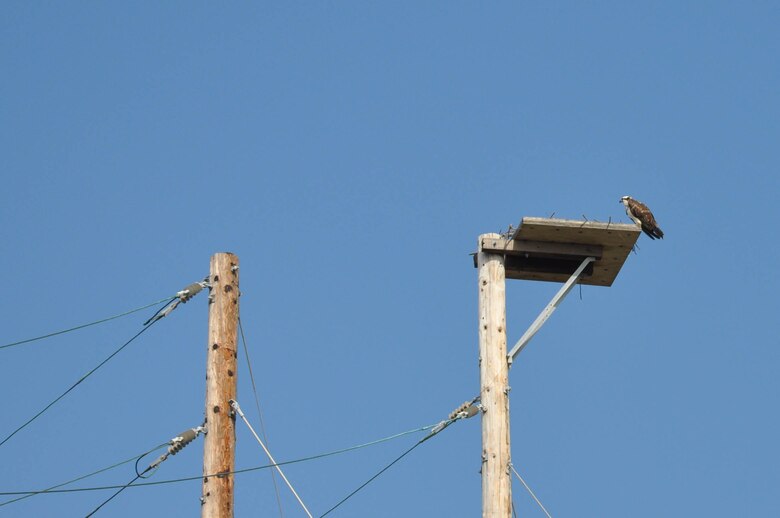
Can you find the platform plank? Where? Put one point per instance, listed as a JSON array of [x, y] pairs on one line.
[[545, 249]]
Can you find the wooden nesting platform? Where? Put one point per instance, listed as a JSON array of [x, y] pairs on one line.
[[546, 249]]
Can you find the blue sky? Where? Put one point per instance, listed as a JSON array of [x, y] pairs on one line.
[[350, 154]]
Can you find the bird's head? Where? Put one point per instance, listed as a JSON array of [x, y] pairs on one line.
[[624, 200]]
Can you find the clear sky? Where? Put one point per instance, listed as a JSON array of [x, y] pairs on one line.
[[350, 153]]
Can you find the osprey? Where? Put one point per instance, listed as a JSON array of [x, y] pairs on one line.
[[642, 216]]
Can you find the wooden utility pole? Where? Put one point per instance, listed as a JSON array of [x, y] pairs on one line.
[[219, 445], [494, 386], [540, 249]]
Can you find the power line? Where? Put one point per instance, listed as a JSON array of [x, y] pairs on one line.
[[259, 413], [131, 459], [235, 472], [182, 296], [82, 326], [85, 376], [404, 454], [436, 429], [175, 445], [117, 493]]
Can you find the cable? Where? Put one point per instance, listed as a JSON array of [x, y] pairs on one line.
[[259, 413], [175, 445], [237, 409], [438, 428], [96, 509], [131, 459], [404, 454], [33, 418], [235, 472], [137, 461], [85, 325], [181, 296], [529, 490], [165, 307]]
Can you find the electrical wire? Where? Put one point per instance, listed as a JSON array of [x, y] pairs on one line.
[[181, 296], [82, 326], [131, 459], [529, 490], [85, 376], [139, 459], [175, 445], [436, 429], [166, 304], [96, 509], [235, 472], [259, 413], [367, 482]]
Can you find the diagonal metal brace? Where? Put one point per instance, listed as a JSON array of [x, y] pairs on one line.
[[547, 311]]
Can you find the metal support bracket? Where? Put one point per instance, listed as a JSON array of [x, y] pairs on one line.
[[547, 311]]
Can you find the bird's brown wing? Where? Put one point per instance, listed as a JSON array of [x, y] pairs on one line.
[[641, 211], [649, 224]]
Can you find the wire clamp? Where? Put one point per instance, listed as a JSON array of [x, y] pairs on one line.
[[439, 427], [180, 441], [466, 410], [181, 297], [235, 407], [191, 290], [176, 444]]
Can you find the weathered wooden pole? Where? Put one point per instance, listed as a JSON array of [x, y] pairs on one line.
[[494, 386], [219, 445]]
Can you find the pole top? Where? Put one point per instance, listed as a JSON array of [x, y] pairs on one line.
[[546, 249]]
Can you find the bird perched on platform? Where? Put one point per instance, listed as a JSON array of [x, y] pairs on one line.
[[642, 216]]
